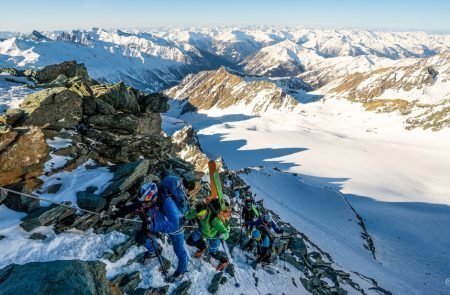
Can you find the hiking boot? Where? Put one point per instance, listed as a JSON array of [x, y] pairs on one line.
[[176, 276], [222, 265], [199, 253]]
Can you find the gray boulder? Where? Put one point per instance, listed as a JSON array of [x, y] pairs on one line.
[[19, 202], [67, 277], [117, 95], [127, 124], [183, 288], [53, 108], [128, 282], [70, 69], [46, 216], [11, 116], [151, 291], [155, 102], [90, 201], [125, 175]]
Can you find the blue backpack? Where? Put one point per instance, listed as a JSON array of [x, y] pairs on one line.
[[173, 187]]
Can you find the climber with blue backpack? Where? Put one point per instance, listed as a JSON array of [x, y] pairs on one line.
[[161, 208]]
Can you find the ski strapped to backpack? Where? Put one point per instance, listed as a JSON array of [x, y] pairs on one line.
[[172, 186]]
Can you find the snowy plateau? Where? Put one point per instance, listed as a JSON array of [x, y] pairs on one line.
[[345, 134]]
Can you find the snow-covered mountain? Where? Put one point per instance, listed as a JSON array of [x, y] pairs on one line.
[[221, 89], [157, 59], [283, 59], [142, 60]]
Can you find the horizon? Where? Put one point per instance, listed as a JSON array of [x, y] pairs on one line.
[[52, 15]]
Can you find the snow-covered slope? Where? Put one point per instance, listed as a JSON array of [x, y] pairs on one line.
[[323, 167]]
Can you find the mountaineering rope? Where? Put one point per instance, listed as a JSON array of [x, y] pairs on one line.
[[62, 205], [2, 189]]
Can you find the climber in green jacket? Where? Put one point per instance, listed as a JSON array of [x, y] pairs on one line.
[[211, 228]]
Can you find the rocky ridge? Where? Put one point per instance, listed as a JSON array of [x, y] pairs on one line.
[[119, 129]]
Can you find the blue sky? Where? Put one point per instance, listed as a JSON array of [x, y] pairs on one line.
[[26, 15]]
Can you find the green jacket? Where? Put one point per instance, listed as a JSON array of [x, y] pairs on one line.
[[210, 229]]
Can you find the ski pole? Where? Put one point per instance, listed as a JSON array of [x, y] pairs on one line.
[[236, 284], [164, 272]]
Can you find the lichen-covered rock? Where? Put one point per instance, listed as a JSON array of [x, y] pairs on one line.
[[26, 155], [70, 69], [65, 277], [11, 116], [155, 102], [53, 108], [127, 124], [7, 136], [119, 96]]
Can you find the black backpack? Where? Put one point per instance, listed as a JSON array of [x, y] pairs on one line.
[[266, 232]]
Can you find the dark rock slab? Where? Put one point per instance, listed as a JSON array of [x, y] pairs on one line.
[[215, 283], [125, 175], [46, 216], [38, 236], [67, 277], [183, 288], [128, 282], [151, 291], [90, 201]]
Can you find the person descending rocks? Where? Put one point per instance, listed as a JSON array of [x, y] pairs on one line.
[[211, 228], [159, 213], [261, 242]]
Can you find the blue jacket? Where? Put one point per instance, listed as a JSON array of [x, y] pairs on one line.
[[166, 219], [259, 221]]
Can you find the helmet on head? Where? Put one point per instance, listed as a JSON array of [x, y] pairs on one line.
[[201, 208], [148, 192], [227, 200], [256, 234], [267, 218]]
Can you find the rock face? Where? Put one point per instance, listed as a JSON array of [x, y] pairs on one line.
[[186, 146], [53, 108], [66, 277], [23, 157], [118, 96], [222, 89], [69, 69], [46, 216]]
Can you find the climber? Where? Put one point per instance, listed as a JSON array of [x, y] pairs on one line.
[[211, 228], [263, 244], [159, 214], [249, 212], [267, 221]]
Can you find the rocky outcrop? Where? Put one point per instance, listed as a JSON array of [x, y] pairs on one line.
[[46, 216], [119, 96], [24, 157], [66, 277], [53, 108], [70, 69], [186, 145], [222, 89]]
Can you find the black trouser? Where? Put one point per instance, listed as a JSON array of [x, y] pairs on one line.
[[195, 239]]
